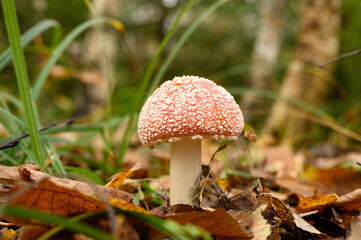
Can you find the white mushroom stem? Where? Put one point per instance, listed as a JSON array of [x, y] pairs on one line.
[[185, 168]]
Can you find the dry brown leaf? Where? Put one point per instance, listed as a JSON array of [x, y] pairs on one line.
[[28, 174], [252, 223], [118, 179], [217, 223], [296, 186], [317, 202], [245, 200], [337, 180], [49, 197], [350, 201], [9, 177], [301, 223], [287, 216]]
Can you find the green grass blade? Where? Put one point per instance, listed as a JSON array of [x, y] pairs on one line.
[[145, 82], [12, 99], [170, 228], [60, 50], [85, 173], [22, 77], [27, 37], [74, 226]]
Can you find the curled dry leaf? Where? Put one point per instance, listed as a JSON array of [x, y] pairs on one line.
[[9, 177], [29, 174], [350, 201], [287, 217]]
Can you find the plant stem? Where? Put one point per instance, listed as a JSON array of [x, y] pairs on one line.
[[22, 77]]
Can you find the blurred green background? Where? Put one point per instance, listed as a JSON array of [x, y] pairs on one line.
[[220, 49]]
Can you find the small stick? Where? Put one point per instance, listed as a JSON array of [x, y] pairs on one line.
[[340, 57], [16, 141]]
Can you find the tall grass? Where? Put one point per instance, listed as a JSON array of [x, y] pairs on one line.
[[22, 78]]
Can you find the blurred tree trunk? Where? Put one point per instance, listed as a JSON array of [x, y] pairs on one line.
[[317, 43], [265, 54], [100, 63]]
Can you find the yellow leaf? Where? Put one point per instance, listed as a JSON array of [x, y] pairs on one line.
[[8, 234], [224, 184], [127, 206], [316, 202], [118, 180]]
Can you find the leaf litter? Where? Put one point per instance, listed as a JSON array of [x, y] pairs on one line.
[[314, 200]]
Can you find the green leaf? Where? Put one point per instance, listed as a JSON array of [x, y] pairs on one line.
[[22, 78]]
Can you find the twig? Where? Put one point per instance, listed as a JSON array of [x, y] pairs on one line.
[[16, 141], [340, 57]]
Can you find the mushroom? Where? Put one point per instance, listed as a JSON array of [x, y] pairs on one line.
[[183, 111]]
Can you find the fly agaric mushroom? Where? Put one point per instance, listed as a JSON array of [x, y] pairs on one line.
[[183, 111]]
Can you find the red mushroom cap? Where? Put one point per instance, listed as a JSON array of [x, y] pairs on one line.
[[189, 106]]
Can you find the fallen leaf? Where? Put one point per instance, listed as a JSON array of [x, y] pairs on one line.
[[295, 185], [127, 206], [252, 223], [288, 217], [245, 200], [118, 179], [9, 177], [49, 197], [317, 202], [26, 173], [339, 180], [224, 184], [350, 201], [301, 223], [260, 228], [7, 234], [217, 223]]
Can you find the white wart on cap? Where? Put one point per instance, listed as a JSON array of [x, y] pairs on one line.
[[192, 107]]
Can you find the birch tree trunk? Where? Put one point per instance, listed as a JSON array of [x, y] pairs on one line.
[[265, 53], [99, 56], [317, 43]]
